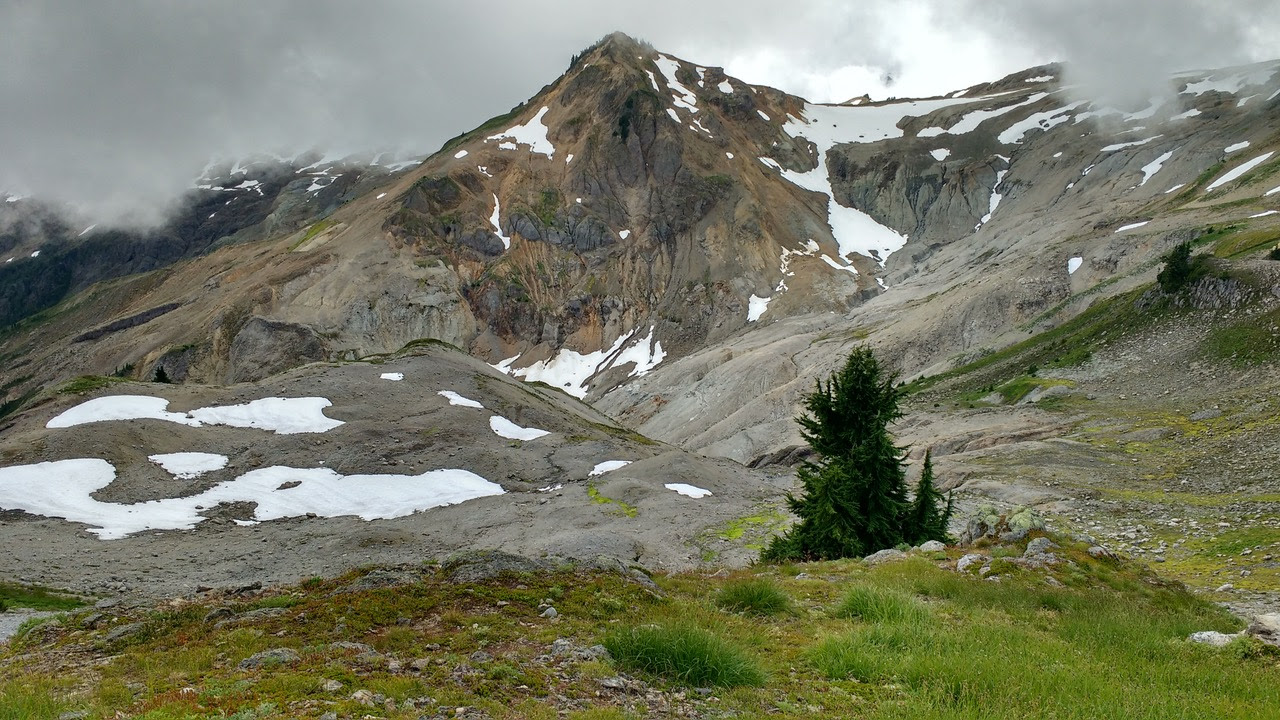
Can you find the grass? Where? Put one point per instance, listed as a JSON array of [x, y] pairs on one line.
[[619, 506], [311, 232], [753, 596], [36, 597], [1251, 341], [1066, 345], [684, 653], [907, 639], [879, 604], [89, 383]]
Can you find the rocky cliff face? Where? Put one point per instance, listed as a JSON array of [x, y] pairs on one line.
[[689, 251]]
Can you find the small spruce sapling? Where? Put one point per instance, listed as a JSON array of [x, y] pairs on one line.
[[928, 521]]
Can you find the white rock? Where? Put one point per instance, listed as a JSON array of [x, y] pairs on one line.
[[1211, 637], [931, 546], [968, 561]]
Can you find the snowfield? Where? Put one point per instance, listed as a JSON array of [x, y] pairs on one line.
[[692, 491], [63, 489], [284, 416], [532, 133], [188, 465]]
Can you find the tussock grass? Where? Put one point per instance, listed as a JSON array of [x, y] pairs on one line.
[[754, 596], [684, 653], [880, 604]]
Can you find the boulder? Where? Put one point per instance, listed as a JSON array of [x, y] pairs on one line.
[[1211, 637], [1266, 628], [1038, 546], [479, 565], [970, 560], [931, 546], [270, 658], [884, 556]]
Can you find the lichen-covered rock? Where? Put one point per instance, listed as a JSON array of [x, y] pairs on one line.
[[1266, 628], [478, 565], [969, 561], [931, 546], [1211, 637], [270, 658]]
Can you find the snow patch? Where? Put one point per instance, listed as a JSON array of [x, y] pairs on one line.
[[35, 253], [624, 234], [460, 154], [392, 376], [1235, 173], [1135, 143], [607, 466], [120, 407], [64, 489], [456, 399], [681, 95], [1188, 114], [756, 307], [380, 196], [1040, 79], [1264, 214], [729, 155], [1131, 226], [188, 465], [762, 115], [284, 416], [1073, 264], [532, 133], [1153, 167], [1237, 146], [1039, 121], [972, 120], [86, 230], [940, 154], [688, 490], [725, 87], [1175, 188], [496, 220], [507, 429], [994, 201]]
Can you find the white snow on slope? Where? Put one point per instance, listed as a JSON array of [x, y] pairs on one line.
[[120, 407], [1175, 188], [1039, 79], [456, 399], [570, 370], [35, 254], [692, 491], [507, 429], [460, 154], [64, 488], [1038, 121], [1237, 146], [624, 234], [940, 154], [1188, 114], [86, 230], [392, 376], [1135, 143], [994, 201], [725, 87], [532, 133], [1272, 191], [762, 115], [1231, 83], [1264, 214], [644, 353], [188, 465], [681, 95], [284, 416], [1073, 264], [1131, 226], [970, 121], [608, 466], [1236, 172], [496, 220], [828, 125], [756, 307], [1153, 167]]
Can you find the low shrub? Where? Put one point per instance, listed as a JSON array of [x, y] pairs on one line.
[[683, 653]]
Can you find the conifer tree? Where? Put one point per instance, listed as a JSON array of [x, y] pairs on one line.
[[927, 521], [855, 499]]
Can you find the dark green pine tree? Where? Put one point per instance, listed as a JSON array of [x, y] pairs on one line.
[[855, 499], [926, 519]]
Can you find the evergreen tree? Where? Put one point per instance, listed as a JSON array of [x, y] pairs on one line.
[[161, 375], [855, 499], [926, 520]]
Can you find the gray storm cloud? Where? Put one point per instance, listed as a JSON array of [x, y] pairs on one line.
[[114, 108]]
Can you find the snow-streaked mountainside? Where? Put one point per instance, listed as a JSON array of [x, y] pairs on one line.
[[683, 250]]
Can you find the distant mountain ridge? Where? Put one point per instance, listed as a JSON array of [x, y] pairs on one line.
[[683, 249]]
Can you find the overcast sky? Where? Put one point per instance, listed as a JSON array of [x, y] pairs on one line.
[[114, 107]]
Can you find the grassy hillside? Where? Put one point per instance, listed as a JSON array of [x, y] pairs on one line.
[[1082, 638]]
